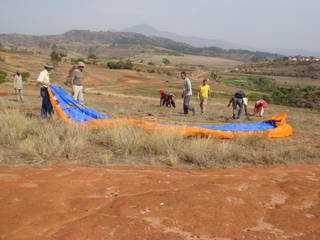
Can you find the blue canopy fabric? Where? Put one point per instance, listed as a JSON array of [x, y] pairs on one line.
[[73, 108], [82, 114], [242, 127]]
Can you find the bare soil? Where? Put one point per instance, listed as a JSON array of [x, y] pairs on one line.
[[71, 202]]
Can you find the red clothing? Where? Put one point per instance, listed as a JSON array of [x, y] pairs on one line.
[[259, 105]]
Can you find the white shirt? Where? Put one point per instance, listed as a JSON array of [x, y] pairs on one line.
[[44, 78], [187, 88], [17, 83]]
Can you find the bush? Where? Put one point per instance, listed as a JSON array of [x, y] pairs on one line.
[[25, 76], [3, 76], [120, 65], [56, 56], [166, 61], [77, 60]]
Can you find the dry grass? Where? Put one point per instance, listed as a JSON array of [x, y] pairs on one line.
[[47, 142]]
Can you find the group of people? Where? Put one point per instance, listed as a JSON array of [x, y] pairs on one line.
[[44, 82], [239, 101]]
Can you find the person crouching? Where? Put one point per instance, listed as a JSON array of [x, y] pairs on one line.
[[44, 81], [167, 99], [259, 107], [76, 81], [237, 104]]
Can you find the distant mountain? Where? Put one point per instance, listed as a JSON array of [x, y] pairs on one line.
[[206, 42], [86, 40], [194, 41]]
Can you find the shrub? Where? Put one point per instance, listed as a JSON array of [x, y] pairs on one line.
[[120, 65], [3, 76], [166, 61], [25, 76], [56, 56], [77, 60]]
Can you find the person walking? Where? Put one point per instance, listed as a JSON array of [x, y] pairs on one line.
[[44, 81], [187, 94], [18, 86], [204, 92], [237, 104], [76, 80]]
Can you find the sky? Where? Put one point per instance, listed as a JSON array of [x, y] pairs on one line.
[[264, 24]]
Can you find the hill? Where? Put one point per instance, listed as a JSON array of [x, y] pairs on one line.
[[85, 40], [194, 41]]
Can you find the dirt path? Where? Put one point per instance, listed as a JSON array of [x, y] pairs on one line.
[[135, 203]]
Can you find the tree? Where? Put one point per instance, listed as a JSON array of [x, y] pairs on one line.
[[56, 56], [166, 61]]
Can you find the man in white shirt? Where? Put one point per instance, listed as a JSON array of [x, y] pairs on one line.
[[187, 94], [44, 81]]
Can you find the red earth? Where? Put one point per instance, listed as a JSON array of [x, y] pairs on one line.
[[74, 202]]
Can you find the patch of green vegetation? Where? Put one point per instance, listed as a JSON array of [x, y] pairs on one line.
[[166, 61], [235, 82], [25, 76], [3, 76], [263, 87], [120, 65], [77, 60]]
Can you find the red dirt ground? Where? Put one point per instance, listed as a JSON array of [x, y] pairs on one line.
[[71, 202]]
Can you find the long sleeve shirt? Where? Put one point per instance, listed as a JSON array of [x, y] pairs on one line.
[[187, 87], [44, 78]]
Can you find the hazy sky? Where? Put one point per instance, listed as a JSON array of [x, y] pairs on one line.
[[257, 23]]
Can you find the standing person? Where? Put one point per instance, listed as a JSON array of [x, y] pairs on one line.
[[204, 91], [44, 81], [237, 104], [76, 80], [187, 94], [18, 86], [245, 106]]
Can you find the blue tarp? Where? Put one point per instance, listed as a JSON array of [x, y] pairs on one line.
[[79, 113], [74, 109], [242, 127]]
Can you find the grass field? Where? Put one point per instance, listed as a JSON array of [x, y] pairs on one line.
[[26, 139]]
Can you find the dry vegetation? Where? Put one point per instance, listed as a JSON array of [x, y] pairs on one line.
[[40, 142]]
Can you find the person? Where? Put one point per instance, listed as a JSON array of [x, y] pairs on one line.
[[204, 91], [76, 80], [167, 99], [245, 106], [259, 107], [44, 81], [237, 104], [18, 86], [187, 94]]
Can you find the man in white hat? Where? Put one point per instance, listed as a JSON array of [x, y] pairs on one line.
[[76, 81], [44, 81]]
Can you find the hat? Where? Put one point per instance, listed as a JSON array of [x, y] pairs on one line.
[[81, 64], [49, 66]]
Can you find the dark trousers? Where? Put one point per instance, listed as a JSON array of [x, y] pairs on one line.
[[46, 108], [237, 104]]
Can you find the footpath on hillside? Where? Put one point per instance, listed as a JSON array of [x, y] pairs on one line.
[[73, 202]]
